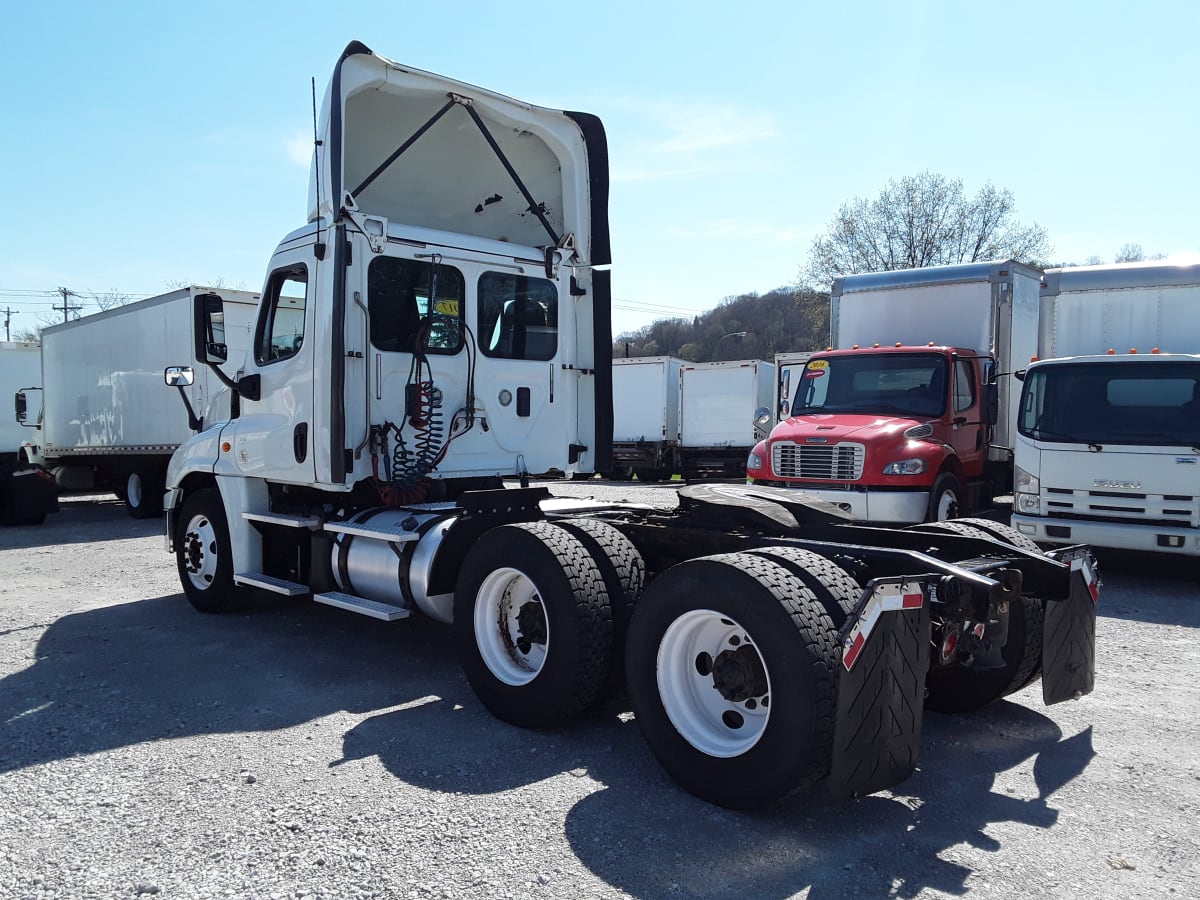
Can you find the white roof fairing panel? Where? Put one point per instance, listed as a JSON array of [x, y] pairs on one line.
[[448, 176]]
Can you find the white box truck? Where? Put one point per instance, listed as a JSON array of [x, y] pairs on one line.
[[908, 419], [645, 417], [26, 493], [1108, 440], [456, 330], [718, 403], [106, 422]]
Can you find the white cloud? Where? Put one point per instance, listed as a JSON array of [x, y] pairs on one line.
[[299, 149], [675, 142]]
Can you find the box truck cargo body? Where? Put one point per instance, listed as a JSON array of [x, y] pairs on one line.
[[107, 421], [646, 417], [1108, 445], [717, 406], [908, 418]]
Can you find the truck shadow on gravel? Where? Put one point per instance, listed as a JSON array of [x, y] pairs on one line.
[[644, 835], [81, 523], [156, 669]]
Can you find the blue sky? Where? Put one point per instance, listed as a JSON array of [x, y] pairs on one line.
[[149, 144]]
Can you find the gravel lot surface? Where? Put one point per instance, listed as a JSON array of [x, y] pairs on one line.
[[294, 750]]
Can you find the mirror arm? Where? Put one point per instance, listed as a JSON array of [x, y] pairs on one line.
[[194, 422], [249, 386]]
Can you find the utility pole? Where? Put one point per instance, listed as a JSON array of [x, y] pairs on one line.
[[8, 314], [66, 308]]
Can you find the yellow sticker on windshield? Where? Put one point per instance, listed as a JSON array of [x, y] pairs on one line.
[[446, 307], [818, 364]]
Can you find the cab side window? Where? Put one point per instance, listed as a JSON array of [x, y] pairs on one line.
[[411, 300], [964, 386], [281, 330], [518, 316]]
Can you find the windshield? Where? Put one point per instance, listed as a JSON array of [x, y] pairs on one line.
[[903, 384], [1113, 403]]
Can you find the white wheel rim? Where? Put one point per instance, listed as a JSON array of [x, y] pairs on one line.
[[200, 552], [512, 630], [700, 658], [946, 502], [133, 490]]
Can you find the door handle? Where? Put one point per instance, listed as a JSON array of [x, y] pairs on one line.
[[300, 442]]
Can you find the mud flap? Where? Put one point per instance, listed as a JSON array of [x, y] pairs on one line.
[[881, 688], [1069, 641]]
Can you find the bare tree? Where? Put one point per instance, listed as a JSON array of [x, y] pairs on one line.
[[923, 220], [110, 299], [1130, 253]]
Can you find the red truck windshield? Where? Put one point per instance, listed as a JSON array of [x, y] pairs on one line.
[[903, 384]]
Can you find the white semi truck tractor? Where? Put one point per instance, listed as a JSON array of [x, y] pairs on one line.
[[456, 331]]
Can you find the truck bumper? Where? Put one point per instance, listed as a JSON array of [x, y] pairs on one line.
[[869, 505], [1157, 538]]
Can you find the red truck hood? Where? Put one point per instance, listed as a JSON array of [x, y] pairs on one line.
[[834, 427]]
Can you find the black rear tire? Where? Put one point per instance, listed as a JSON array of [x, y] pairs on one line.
[[1005, 533], [731, 666], [835, 588], [143, 493], [624, 573], [533, 624]]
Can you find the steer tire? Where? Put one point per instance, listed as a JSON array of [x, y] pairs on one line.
[[533, 624], [203, 554], [835, 588], [945, 500], [956, 689], [624, 573], [731, 666]]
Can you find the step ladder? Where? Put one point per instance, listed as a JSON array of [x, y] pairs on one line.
[[385, 612]]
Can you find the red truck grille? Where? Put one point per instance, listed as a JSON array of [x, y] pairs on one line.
[[818, 462]]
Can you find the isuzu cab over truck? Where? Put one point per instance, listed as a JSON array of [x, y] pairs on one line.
[[1108, 442], [456, 331], [907, 418]]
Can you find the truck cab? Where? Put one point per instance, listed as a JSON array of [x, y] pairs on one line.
[[1108, 452], [888, 434]]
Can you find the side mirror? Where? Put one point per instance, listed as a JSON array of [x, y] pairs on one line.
[[990, 404], [209, 313], [762, 422], [179, 376], [19, 403]]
